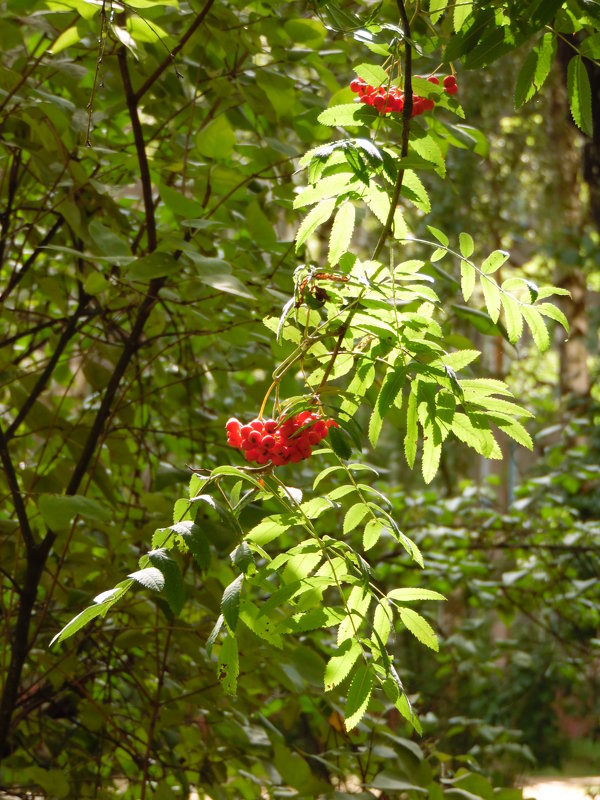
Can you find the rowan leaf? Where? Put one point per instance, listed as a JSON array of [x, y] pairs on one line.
[[359, 695], [228, 668], [317, 216], [406, 594], [230, 602], [341, 232], [339, 665], [580, 95], [419, 627]]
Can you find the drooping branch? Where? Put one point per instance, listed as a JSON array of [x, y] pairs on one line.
[[406, 117], [389, 223]]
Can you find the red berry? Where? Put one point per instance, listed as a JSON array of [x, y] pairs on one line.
[[428, 105], [452, 89], [257, 424], [268, 442], [233, 424], [379, 103], [255, 437], [355, 85], [270, 426], [252, 454], [449, 80], [367, 100], [433, 79]]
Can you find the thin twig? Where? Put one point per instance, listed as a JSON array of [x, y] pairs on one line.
[[101, 44], [170, 59]]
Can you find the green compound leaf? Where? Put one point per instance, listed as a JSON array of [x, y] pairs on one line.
[[537, 326], [580, 95], [432, 452], [373, 530], [319, 214], [494, 261], [512, 317], [271, 528], [412, 431], [390, 389], [341, 233], [552, 311], [230, 602], [515, 430], [419, 627], [348, 114], [339, 665], [467, 279], [102, 603], [174, 590], [491, 295], [373, 74], [228, 668], [359, 694], [354, 516], [382, 623], [535, 69], [407, 594], [466, 244], [480, 439], [150, 578]]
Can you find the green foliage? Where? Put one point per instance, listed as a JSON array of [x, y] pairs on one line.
[[150, 199]]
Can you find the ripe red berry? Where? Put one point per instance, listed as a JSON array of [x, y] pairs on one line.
[[433, 79], [379, 103], [452, 89], [255, 437], [270, 426], [449, 80], [257, 424], [355, 85], [428, 104]]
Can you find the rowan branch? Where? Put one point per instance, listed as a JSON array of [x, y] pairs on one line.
[[389, 223], [406, 117]]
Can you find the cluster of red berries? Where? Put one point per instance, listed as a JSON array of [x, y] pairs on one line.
[[391, 100], [264, 440]]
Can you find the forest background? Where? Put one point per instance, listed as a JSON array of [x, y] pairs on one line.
[[153, 217]]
